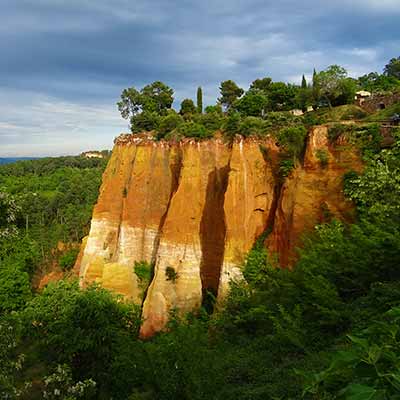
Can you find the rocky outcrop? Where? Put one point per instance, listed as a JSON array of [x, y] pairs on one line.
[[192, 210], [313, 193]]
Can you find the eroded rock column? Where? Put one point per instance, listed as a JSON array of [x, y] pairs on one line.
[[248, 203], [177, 280]]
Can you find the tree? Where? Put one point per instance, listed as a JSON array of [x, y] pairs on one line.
[[153, 100], [107, 330], [199, 100], [157, 97], [187, 107], [214, 109], [393, 68], [168, 123], [282, 96], [304, 95], [253, 103], [303, 82], [334, 85], [261, 84], [230, 92], [130, 104], [375, 82], [316, 90], [145, 121]]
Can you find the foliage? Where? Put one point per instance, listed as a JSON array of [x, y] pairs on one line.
[[168, 124], [67, 260], [11, 360], [157, 97], [171, 274], [334, 86], [232, 125], [90, 330], [15, 287], [335, 131], [59, 385], [286, 166], [212, 121], [368, 368], [194, 130], [253, 103], [144, 272], [143, 107], [292, 139], [251, 126], [199, 100], [262, 84], [145, 121], [230, 92], [214, 109], [323, 157], [392, 68], [282, 96], [187, 107], [9, 214], [375, 82]]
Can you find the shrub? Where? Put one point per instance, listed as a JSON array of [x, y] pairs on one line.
[[168, 124], [251, 126], [67, 260], [144, 272], [285, 167], [292, 139], [195, 130], [353, 113], [323, 157], [211, 121], [145, 121], [171, 274], [214, 109], [231, 126], [335, 131]]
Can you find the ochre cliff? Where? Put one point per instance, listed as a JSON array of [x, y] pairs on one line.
[[194, 209], [313, 193]]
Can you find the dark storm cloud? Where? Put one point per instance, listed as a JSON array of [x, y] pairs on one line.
[[63, 64]]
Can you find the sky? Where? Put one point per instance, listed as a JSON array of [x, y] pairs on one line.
[[64, 63]]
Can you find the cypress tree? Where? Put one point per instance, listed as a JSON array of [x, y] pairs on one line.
[[199, 100], [304, 83]]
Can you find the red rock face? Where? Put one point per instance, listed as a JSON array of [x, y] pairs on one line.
[[194, 209], [312, 194]]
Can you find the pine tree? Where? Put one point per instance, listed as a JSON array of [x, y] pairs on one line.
[[199, 100]]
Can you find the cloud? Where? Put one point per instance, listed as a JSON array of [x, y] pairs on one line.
[[64, 64]]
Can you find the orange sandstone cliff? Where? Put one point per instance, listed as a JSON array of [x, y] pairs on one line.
[[194, 209]]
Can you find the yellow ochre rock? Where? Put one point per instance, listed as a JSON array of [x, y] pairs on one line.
[[192, 210]]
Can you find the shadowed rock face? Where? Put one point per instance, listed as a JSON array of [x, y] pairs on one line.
[[194, 209], [312, 194]]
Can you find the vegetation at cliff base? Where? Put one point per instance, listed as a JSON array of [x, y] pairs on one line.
[[328, 329]]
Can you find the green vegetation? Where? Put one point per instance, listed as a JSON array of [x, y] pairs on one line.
[[265, 108], [144, 272], [328, 329], [67, 260], [323, 157]]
